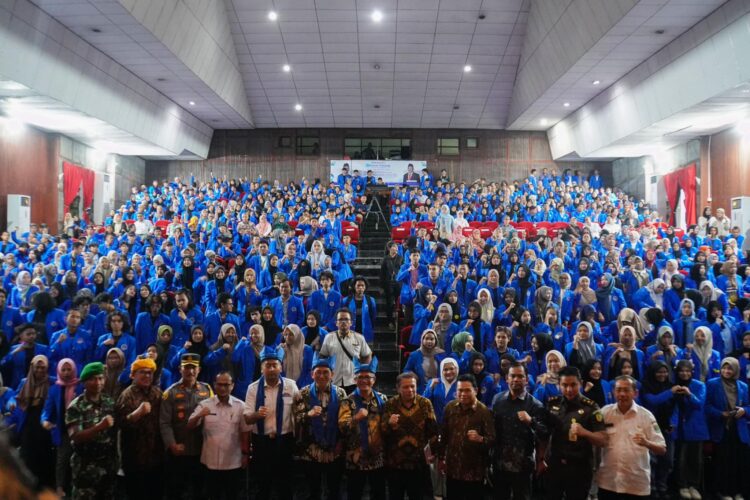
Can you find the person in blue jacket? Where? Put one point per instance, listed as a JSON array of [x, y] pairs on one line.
[[72, 341], [525, 288], [609, 299], [10, 318], [16, 362], [429, 355], [184, 316], [690, 429], [148, 322], [722, 327], [297, 356], [548, 383], [583, 347], [118, 326], [411, 273], [486, 387], [665, 349], [424, 311], [46, 316], [500, 348], [61, 393], [441, 391], [704, 357], [594, 385], [246, 356], [727, 407], [673, 297], [287, 309], [478, 328], [363, 308], [214, 287], [444, 326], [685, 322], [326, 301], [222, 315], [624, 349]]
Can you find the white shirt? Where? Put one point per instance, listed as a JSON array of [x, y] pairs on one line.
[[269, 424], [626, 466], [222, 449], [356, 345], [143, 227]]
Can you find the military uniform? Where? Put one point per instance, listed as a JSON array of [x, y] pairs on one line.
[[93, 463], [184, 471], [571, 462]]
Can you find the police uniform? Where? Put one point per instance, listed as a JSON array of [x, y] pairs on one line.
[[571, 462], [178, 403], [92, 463]]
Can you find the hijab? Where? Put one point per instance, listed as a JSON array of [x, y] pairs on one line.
[[688, 322], [70, 384], [604, 296], [540, 303], [549, 377], [446, 385], [663, 412], [657, 297], [112, 377], [628, 316], [641, 275], [312, 333], [458, 343], [270, 327], [294, 353], [586, 348], [34, 392], [199, 348], [488, 309]]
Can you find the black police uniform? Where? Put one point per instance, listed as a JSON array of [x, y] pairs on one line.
[[571, 462]]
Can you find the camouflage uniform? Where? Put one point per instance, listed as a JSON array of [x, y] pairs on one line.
[[93, 463]]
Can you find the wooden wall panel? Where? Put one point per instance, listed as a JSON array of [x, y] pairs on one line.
[[730, 161], [28, 165]]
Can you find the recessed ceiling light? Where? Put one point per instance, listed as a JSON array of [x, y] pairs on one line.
[[566, 104], [456, 106], [161, 79], [596, 82], [192, 103], [272, 16], [659, 32], [298, 107], [377, 106], [286, 68], [377, 16], [96, 30], [376, 66], [543, 121], [481, 16], [467, 68]]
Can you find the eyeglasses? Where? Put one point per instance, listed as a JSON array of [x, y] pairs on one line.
[[343, 320]]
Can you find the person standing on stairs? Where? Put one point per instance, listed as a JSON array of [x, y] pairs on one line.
[[388, 278]]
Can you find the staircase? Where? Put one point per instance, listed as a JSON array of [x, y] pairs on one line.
[[370, 253]]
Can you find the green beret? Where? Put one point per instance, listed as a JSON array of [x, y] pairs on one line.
[[91, 370]]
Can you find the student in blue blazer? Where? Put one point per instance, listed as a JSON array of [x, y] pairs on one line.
[[60, 394], [690, 430], [441, 391], [428, 350], [706, 360], [595, 387], [297, 356], [727, 407], [14, 363]]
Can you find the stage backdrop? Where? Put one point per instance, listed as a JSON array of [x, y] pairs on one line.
[[392, 172]]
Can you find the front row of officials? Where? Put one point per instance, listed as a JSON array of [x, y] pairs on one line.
[[378, 441]]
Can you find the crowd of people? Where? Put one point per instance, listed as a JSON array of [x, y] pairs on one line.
[[138, 356]]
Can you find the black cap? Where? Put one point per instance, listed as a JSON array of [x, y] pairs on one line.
[[190, 358]]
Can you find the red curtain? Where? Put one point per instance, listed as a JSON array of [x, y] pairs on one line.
[[681, 180], [73, 177]]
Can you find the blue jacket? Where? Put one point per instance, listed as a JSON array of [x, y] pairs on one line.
[[606, 389], [18, 415], [642, 298], [244, 299], [213, 322], [295, 311], [493, 358], [487, 338], [245, 359], [146, 327], [422, 317], [437, 395], [181, 328], [10, 318], [79, 348], [54, 410], [468, 292], [53, 322], [544, 392], [404, 277], [689, 419], [414, 364], [714, 364], [716, 403], [126, 343], [369, 315], [671, 304], [452, 330], [14, 363], [326, 307], [678, 326]]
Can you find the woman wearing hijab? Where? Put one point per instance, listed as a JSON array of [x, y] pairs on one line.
[[312, 331], [650, 296], [247, 357], [624, 349], [36, 443], [484, 297], [665, 348], [298, 356], [424, 362], [723, 328], [712, 294], [21, 293], [584, 295], [64, 390], [424, 309], [729, 281], [440, 392], [444, 222], [690, 431], [535, 358], [609, 300], [704, 357], [674, 296], [626, 317], [637, 277], [115, 375], [685, 323], [658, 396], [485, 383], [479, 329], [548, 382], [219, 358], [443, 326], [542, 301], [742, 353], [271, 329], [583, 347], [524, 286], [727, 407], [162, 377], [462, 346], [457, 311], [595, 387]]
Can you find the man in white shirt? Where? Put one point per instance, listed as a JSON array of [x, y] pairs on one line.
[[625, 470], [142, 225], [225, 438], [346, 346], [268, 408]]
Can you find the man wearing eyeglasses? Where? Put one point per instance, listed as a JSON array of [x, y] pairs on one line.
[[225, 438], [346, 346]]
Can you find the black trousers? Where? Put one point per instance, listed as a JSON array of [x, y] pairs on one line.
[[571, 480], [392, 290], [730, 458], [316, 471], [357, 479], [406, 482], [223, 484], [184, 477], [144, 482], [272, 460], [512, 484], [611, 495], [464, 490]]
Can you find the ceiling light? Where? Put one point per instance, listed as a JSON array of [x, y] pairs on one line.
[[161, 79], [467, 68], [286, 68], [596, 82], [566, 104], [377, 106], [376, 66], [543, 121], [192, 103], [272, 16], [456, 106], [659, 32], [96, 30], [745, 91], [377, 16], [298, 107]]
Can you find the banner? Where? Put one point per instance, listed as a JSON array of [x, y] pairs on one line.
[[392, 172]]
